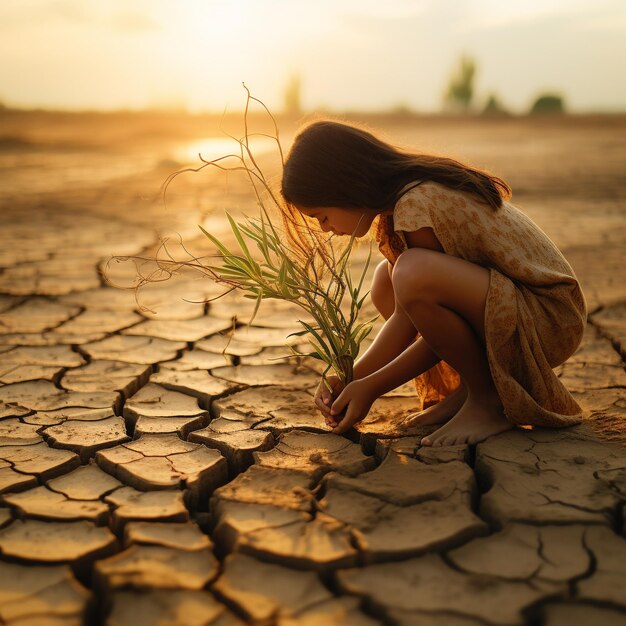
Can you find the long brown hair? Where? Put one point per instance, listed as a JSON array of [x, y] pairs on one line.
[[333, 164]]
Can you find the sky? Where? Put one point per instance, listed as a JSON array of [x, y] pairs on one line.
[[349, 54]]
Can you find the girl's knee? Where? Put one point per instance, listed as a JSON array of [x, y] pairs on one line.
[[415, 274], [381, 291]]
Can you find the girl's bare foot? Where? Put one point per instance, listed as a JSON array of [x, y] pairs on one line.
[[438, 413], [477, 420]]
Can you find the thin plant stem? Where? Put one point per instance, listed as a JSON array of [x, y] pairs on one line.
[[296, 265]]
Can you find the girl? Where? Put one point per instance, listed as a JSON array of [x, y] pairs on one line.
[[494, 304]]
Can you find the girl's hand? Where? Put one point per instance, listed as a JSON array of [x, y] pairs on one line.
[[324, 399], [357, 399]]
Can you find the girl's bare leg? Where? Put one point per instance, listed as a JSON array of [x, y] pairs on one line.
[[445, 298], [384, 299]]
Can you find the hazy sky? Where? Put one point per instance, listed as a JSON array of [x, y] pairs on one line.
[[350, 54]]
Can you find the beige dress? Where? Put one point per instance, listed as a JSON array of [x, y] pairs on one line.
[[535, 313]]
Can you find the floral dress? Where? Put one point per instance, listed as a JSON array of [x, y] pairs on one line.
[[535, 314]]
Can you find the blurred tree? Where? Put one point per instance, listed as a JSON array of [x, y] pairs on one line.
[[458, 96], [494, 106], [401, 109], [293, 104], [548, 103]]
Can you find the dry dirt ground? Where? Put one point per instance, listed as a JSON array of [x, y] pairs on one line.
[[147, 478]]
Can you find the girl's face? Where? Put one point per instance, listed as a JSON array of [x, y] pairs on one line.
[[341, 221]]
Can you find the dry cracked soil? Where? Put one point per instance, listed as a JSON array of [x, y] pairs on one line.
[[160, 466]]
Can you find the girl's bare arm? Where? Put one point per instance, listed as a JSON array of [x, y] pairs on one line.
[[393, 359], [357, 397], [417, 358], [394, 339], [396, 334], [413, 361]]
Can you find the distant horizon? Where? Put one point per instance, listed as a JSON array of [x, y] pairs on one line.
[[353, 55], [233, 111]]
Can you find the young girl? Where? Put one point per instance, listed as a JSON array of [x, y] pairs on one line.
[[493, 303]]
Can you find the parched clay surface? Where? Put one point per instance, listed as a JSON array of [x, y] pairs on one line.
[[551, 477], [155, 462], [31, 594], [162, 461], [85, 437], [178, 607], [127, 378], [54, 542], [141, 567]]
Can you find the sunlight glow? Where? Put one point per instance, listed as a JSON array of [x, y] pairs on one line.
[[352, 54], [210, 148]]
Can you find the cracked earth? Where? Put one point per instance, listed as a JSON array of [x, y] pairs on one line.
[[162, 467]]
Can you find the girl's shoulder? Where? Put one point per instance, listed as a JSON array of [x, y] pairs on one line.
[[413, 209], [420, 193]]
